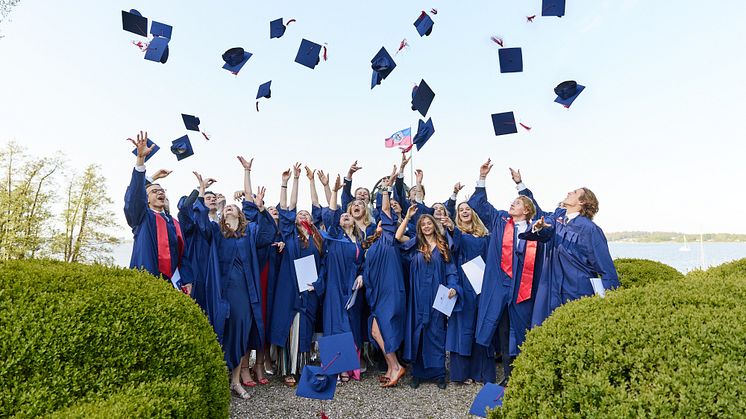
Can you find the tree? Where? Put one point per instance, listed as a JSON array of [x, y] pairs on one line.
[[5, 7], [87, 218]]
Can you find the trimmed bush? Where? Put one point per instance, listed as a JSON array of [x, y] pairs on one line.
[[736, 267], [669, 349], [83, 341], [641, 272]]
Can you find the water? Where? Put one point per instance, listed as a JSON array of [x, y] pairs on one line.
[[668, 253]]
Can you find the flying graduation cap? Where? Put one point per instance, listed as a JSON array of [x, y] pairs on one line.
[[338, 353], [424, 24], [567, 92], [157, 50], [553, 8], [235, 58], [422, 98], [382, 65], [161, 29], [489, 397], [308, 54], [182, 148], [277, 28], [511, 60], [134, 22], [425, 130], [263, 92]]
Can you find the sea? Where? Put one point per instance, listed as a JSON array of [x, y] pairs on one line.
[[684, 259]]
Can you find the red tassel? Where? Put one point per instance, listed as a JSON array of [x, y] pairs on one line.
[[526, 127], [306, 226], [289, 22], [205, 135], [403, 44], [406, 150], [257, 106], [324, 52], [434, 11], [422, 15], [142, 45], [498, 41], [530, 18], [323, 415]]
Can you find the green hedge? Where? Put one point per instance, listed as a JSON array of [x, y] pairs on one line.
[[736, 267], [92, 341], [641, 272], [669, 349]]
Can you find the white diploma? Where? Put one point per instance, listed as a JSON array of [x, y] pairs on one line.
[[305, 272], [598, 287], [442, 303], [474, 270]]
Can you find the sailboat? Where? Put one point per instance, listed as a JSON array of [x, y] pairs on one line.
[[701, 252], [685, 247]]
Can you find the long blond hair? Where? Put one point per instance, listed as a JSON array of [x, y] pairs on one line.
[[476, 227], [367, 217], [440, 240], [240, 231]]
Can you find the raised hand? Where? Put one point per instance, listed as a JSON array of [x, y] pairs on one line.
[[457, 187], [309, 173], [411, 212], [208, 182], [485, 168], [238, 195], [338, 184], [404, 161], [388, 181], [323, 177], [296, 170], [447, 223], [246, 164], [418, 175], [285, 176], [160, 174], [142, 145], [353, 168], [540, 225], [259, 198], [516, 175], [199, 179]]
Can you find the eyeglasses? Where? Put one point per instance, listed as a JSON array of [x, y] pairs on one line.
[[157, 191]]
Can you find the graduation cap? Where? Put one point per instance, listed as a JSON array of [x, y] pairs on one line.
[[424, 24], [277, 28], [422, 97], [235, 58], [315, 383], [190, 122], [152, 152], [567, 92], [489, 397], [157, 50], [134, 22], [553, 8], [308, 54], [182, 148], [161, 29], [382, 65], [511, 60], [264, 90], [504, 123], [338, 353], [425, 130]]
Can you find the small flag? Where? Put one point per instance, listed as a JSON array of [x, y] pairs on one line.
[[401, 139]]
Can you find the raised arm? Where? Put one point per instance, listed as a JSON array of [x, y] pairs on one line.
[[202, 214], [136, 197], [294, 192], [403, 226], [324, 179], [284, 190], [450, 203], [419, 196], [478, 201], [247, 178], [347, 191], [523, 190], [310, 174], [333, 199]]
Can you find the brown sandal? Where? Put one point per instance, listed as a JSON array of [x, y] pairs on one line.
[[289, 381]]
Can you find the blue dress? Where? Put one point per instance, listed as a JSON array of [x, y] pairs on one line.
[[468, 359], [383, 280], [239, 273], [576, 251], [343, 262], [425, 335], [288, 299]]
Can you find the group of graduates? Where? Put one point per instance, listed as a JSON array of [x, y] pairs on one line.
[[239, 264]]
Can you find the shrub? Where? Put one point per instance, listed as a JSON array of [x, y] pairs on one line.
[[664, 350], [80, 340], [736, 267], [641, 272]]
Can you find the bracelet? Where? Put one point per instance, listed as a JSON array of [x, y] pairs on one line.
[[284, 186], [296, 178]]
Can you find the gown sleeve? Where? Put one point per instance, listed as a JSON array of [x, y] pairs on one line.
[[135, 199]]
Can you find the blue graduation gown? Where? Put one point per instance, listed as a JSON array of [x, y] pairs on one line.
[[288, 300], [239, 273], [347, 198], [499, 290], [576, 251], [143, 223], [383, 280], [343, 262], [425, 335]]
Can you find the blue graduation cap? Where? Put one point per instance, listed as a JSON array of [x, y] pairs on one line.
[[182, 148], [504, 123], [152, 152], [157, 50], [553, 8], [264, 90], [489, 397], [425, 130], [422, 98], [338, 353], [315, 383], [567, 92], [161, 29], [424, 24], [190, 122], [276, 28], [382, 65], [134, 22], [511, 60], [235, 58], [308, 54]]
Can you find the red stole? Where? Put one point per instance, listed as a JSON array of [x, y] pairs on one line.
[[164, 250], [529, 261]]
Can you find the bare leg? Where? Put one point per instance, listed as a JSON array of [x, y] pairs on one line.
[[259, 365], [376, 333], [244, 372]]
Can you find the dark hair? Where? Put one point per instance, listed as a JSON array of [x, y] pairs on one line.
[[589, 204], [440, 240], [210, 192]]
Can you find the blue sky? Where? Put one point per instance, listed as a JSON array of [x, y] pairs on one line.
[[658, 133]]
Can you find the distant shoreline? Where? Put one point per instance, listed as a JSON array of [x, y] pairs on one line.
[[673, 237]]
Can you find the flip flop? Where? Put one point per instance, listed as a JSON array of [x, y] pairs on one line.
[[263, 382]]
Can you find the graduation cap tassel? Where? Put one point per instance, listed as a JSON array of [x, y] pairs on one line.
[[257, 106], [204, 134], [142, 45], [423, 14], [322, 413], [324, 55], [526, 127], [530, 18], [434, 11], [403, 44], [290, 21], [498, 41]]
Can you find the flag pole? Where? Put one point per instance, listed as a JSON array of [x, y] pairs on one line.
[[411, 161]]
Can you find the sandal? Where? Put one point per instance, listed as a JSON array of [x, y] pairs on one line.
[[395, 380], [250, 382], [263, 382], [383, 378], [289, 381], [468, 381], [344, 378], [240, 392]]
